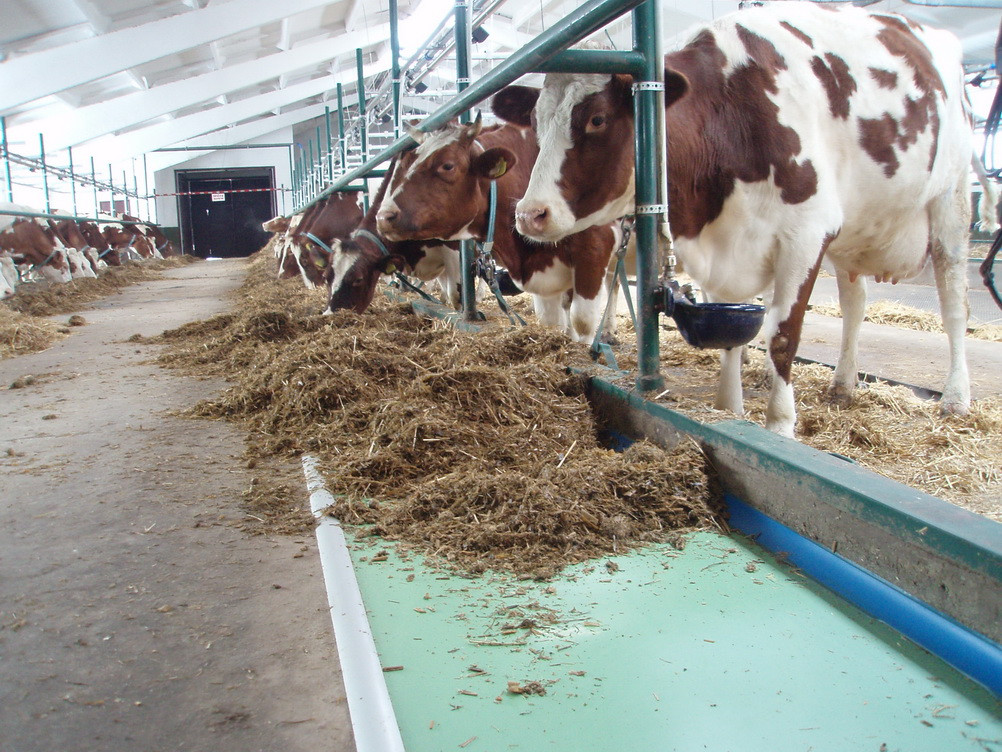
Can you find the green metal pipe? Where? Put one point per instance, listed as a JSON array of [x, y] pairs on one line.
[[647, 102], [6, 160], [111, 187], [310, 171], [364, 126], [395, 66], [342, 152], [74, 217], [330, 143], [73, 181], [467, 249], [125, 191], [594, 61], [584, 20], [93, 180], [45, 171]]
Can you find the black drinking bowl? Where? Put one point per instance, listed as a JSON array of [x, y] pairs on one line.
[[717, 326]]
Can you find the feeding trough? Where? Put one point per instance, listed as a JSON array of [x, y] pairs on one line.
[[715, 326]]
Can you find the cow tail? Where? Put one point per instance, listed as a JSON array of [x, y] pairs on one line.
[[988, 220]]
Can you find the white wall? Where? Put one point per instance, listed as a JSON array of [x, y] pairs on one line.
[[276, 158]]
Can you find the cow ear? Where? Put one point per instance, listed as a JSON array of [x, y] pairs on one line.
[[414, 133], [493, 163], [390, 264], [515, 104], [676, 86]]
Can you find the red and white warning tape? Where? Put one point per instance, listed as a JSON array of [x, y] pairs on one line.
[[231, 190]]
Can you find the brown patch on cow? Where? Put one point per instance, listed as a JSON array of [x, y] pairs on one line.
[[885, 79], [728, 130], [876, 136], [838, 82], [880, 137], [783, 347], [762, 52], [797, 33]]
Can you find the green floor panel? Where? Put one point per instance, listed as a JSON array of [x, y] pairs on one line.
[[717, 647]]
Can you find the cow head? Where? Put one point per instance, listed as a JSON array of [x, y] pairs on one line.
[[584, 173], [8, 277], [354, 270], [438, 190], [27, 238], [100, 244]]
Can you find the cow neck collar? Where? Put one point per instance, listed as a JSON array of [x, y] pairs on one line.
[[326, 248], [361, 232]]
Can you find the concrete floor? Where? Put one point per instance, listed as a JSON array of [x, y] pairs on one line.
[[134, 615]]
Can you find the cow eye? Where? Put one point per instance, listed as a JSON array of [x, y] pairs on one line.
[[596, 123]]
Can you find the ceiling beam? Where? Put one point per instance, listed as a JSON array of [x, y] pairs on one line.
[[29, 77], [97, 19], [94, 121], [181, 129]]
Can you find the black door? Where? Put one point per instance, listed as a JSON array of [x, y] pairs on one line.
[[223, 212]]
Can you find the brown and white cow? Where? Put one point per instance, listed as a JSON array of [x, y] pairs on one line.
[[83, 259], [25, 240], [359, 261], [96, 240], [310, 241], [795, 133], [441, 190]]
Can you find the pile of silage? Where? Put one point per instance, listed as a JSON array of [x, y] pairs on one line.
[[43, 299], [478, 449]]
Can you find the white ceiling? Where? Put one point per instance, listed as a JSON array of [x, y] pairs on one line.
[[116, 79]]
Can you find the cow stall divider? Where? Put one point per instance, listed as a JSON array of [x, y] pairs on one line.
[[893, 555]]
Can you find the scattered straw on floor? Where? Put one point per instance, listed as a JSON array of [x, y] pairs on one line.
[[480, 450], [21, 334], [892, 313], [41, 299]]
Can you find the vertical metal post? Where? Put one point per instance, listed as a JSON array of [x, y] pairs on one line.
[[146, 188], [45, 172], [467, 250], [365, 127], [73, 182], [111, 186], [311, 172], [93, 182], [342, 153], [648, 107], [6, 160], [125, 191], [292, 182], [330, 144], [395, 67]]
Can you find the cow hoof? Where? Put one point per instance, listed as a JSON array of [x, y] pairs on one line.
[[954, 408], [839, 396]]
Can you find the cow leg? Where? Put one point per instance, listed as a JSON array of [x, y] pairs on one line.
[[785, 321], [729, 393], [949, 222], [550, 310], [586, 313], [852, 302]]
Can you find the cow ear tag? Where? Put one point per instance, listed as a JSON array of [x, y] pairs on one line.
[[390, 268], [499, 169]]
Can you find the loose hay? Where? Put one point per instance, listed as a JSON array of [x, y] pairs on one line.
[[892, 313], [41, 299], [480, 450], [21, 334]]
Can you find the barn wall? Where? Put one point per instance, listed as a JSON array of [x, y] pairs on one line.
[[278, 159]]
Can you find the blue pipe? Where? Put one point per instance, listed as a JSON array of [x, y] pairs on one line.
[[968, 652]]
